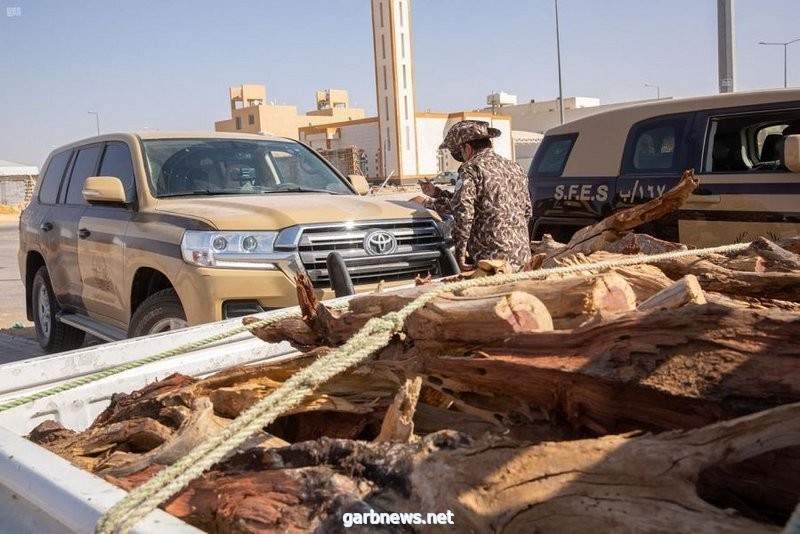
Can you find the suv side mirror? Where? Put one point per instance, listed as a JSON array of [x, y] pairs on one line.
[[103, 189], [791, 153], [360, 183]]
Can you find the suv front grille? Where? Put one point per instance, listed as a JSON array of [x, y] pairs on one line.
[[417, 253]]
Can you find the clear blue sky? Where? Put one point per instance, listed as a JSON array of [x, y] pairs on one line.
[[168, 64]]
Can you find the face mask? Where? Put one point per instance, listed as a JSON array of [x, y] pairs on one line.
[[457, 154]]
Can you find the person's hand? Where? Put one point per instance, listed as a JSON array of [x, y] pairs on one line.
[[428, 188], [418, 199]]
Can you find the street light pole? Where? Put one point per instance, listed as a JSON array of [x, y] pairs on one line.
[[558, 53], [97, 119], [657, 88], [785, 46]]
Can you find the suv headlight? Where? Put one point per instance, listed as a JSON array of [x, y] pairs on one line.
[[232, 250]]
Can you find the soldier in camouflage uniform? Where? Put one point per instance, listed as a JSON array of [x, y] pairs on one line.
[[491, 204]]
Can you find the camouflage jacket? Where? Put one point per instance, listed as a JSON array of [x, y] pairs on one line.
[[491, 207]]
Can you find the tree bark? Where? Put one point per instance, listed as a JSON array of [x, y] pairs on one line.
[[782, 286], [661, 369], [610, 484]]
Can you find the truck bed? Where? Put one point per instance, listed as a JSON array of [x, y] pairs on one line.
[[41, 492]]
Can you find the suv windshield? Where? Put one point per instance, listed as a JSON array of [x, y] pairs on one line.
[[222, 166]]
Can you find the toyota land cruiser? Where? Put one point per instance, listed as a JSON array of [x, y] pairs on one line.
[[131, 234]]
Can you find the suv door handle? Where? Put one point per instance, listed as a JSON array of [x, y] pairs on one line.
[[704, 199], [46, 226], [83, 233]]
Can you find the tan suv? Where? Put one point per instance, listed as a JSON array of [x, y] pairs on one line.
[[131, 234], [744, 148]]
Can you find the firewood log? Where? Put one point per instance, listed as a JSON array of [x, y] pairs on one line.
[[660, 369], [685, 291], [783, 286], [775, 255], [618, 483]]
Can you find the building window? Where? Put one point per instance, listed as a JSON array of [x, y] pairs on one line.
[[251, 119], [408, 138], [383, 46], [380, 9], [385, 82], [405, 104], [405, 82], [386, 101], [403, 44], [238, 123], [400, 10], [388, 140]]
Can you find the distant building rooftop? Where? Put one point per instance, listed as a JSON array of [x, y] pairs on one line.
[[12, 168]]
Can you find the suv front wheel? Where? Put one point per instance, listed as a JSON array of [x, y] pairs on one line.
[[160, 312], [52, 335]]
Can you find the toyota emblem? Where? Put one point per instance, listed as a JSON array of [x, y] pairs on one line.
[[379, 243]]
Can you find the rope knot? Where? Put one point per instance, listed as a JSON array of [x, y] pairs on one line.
[[391, 322]]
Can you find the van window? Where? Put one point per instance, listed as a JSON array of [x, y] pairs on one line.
[[654, 148], [552, 156], [748, 141], [51, 181]]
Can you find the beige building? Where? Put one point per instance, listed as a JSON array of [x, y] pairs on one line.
[[538, 117], [430, 129], [250, 112]]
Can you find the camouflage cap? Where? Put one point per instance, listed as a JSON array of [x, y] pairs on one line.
[[465, 131]]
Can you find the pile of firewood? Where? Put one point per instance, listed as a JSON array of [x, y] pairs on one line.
[[651, 398]]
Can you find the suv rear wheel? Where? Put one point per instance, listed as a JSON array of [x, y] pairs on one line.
[[52, 335], [160, 312]]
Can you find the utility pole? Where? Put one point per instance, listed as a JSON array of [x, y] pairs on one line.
[[785, 46], [725, 45], [96, 119], [558, 53]]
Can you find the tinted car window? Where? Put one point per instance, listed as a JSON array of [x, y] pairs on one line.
[[217, 166], [51, 181], [654, 147], [554, 154], [117, 162], [84, 167], [743, 142]]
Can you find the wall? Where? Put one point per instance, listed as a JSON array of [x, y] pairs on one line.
[[16, 190], [431, 128]]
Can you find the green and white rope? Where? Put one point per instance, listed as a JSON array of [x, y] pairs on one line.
[[105, 373], [373, 336]]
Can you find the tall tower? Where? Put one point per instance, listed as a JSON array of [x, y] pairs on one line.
[[394, 80]]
